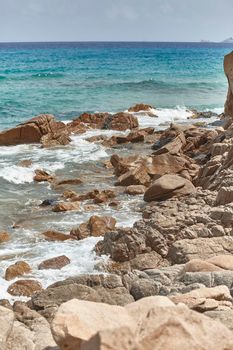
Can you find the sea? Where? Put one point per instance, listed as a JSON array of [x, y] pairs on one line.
[[67, 79]]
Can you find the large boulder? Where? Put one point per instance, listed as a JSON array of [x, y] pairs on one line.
[[168, 186], [150, 323], [33, 130], [123, 121], [228, 68]]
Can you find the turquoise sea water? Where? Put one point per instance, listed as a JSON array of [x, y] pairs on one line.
[[66, 79]]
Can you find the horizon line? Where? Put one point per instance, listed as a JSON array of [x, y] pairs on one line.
[[112, 41]]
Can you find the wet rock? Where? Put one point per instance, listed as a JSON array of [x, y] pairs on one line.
[[47, 202], [168, 186], [140, 107], [42, 175], [97, 196], [69, 182], [18, 269], [25, 163], [66, 206], [54, 263], [24, 288], [57, 138], [123, 121], [96, 226], [135, 190], [4, 237], [32, 130], [56, 236]]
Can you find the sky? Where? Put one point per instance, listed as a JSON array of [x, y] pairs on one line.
[[115, 20]]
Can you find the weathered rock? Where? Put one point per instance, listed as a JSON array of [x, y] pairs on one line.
[[218, 293], [53, 139], [225, 195], [24, 288], [56, 236], [199, 248], [140, 107], [229, 73], [134, 190], [77, 321], [18, 269], [54, 263], [4, 237], [222, 261], [6, 324], [123, 121], [96, 226], [69, 182], [42, 175], [138, 176], [67, 206], [197, 265], [31, 131], [168, 186]]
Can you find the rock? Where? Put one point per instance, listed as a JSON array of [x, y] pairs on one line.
[[97, 196], [222, 261], [42, 175], [134, 190], [18, 269], [4, 237], [32, 131], [228, 71], [69, 182], [199, 248], [114, 339], [100, 225], [154, 322], [168, 186], [56, 236], [140, 107], [122, 245], [66, 206], [25, 163], [96, 226], [96, 121], [6, 324], [99, 288], [60, 138], [24, 288], [77, 321], [47, 202], [123, 121], [225, 195], [54, 263], [197, 265], [217, 293], [138, 176], [225, 317]]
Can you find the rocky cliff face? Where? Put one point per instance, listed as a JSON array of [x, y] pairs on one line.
[[228, 68]]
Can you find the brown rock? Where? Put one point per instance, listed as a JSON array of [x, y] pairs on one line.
[[24, 288], [31, 131], [168, 186], [53, 139], [225, 195], [96, 226], [66, 206], [138, 176], [4, 237], [18, 269], [42, 175], [54, 263], [69, 182], [25, 163], [228, 64], [140, 107], [135, 190], [56, 236], [197, 265], [99, 225], [123, 121]]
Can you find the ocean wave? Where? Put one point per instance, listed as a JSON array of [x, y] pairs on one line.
[[45, 75]]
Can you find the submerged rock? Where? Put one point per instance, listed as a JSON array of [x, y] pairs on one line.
[[4, 237]]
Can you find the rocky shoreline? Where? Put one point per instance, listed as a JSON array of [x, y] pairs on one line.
[[166, 280]]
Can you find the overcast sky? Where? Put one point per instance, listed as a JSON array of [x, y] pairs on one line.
[[110, 20]]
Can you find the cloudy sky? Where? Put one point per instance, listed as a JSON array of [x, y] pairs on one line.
[[110, 20]]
